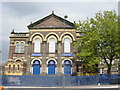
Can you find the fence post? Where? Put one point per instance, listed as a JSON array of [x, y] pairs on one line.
[[99, 79], [63, 83]]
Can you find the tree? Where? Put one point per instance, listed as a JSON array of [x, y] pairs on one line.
[[100, 39]]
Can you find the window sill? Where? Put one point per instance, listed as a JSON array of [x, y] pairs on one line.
[[52, 53], [19, 53]]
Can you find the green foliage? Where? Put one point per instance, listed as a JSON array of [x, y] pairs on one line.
[[74, 74], [90, 68], [100, 38]]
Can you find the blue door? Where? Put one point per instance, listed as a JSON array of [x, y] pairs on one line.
[[36, 68], [51, 67], [67, 68]]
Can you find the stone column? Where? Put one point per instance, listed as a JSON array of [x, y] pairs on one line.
[[28, 58], [59, 65], [43, 65]]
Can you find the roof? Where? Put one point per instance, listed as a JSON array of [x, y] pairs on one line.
[[52, 21]]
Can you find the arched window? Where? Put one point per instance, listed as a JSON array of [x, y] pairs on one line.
[[18, 67], [66, 45], [9, 67], [36, 67], [37, 45], [67, 67], [17, 47], [51, 67], [21, 47], [13, 67], [52, 45]]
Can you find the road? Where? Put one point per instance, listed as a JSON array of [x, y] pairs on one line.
[[101, 87]]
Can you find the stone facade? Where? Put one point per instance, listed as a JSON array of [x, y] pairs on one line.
[[27, 57], [22, 59]]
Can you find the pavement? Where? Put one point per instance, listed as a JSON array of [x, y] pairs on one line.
[[93, 87]]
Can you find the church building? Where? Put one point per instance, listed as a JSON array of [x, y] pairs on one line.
[[46, 49]]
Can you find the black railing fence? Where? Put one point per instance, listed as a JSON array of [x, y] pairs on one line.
[[59, 81]]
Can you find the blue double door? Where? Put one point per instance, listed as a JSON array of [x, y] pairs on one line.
[[36, 68], [67, 67], [51, 67]]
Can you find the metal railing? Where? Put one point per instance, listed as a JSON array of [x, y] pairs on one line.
[[59, 81]]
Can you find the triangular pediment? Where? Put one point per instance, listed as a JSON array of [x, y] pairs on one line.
[[51, 22]]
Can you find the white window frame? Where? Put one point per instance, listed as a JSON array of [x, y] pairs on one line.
[[51, 45], [66, 45], [19, 47], [37, 45], [22, 47]]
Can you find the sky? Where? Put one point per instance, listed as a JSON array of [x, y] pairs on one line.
[[18, 15]]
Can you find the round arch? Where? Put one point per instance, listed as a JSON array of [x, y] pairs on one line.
[[36, 34], [53, 34], [50, 60], [68, 60], [10, 64], [52, 37], [67, 33], [32, 62], [16, 42], [22, 42], [35, 37], [18, 59], [67, 37]]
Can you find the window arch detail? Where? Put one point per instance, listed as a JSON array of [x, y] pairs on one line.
[[36, 35], [67, 34]]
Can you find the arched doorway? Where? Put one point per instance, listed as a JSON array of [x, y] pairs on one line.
[[51, 67], [36, 67], [67, 67]]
